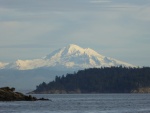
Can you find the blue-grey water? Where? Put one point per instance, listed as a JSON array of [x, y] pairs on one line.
[[81, 103]]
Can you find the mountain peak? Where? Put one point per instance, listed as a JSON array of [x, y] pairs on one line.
[[72, 48]]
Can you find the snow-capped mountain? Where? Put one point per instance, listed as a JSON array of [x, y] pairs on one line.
[[71, 56], [62, 61]]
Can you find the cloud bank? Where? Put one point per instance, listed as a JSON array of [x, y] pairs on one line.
[[119, 29]]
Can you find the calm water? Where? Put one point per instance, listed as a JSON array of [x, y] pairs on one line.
[[82, 103]]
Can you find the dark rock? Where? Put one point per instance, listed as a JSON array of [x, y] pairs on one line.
[[42, 99], [8, 94], [12, 89]]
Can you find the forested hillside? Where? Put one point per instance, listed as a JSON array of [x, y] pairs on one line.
[[99, 80]]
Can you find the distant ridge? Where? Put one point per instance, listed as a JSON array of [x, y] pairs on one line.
[[69, 57]]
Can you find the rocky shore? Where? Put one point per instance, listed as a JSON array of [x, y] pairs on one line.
[[9, 94], [142, 90]]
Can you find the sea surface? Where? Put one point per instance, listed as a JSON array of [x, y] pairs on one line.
[[81, 103]]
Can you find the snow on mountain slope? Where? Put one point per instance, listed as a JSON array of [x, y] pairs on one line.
[[71, 56], [2, 65], [26, 64], [75, 56]]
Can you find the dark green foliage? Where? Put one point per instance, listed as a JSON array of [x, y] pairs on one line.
[[101, 80]]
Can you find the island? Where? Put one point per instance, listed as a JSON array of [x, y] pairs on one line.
[[9, 94], [99, 80]]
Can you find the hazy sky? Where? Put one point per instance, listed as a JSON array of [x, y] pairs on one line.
[[115, 28]]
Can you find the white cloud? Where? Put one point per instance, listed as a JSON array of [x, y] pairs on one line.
[[100, 1], [144, 14], [13, 32], [6, 10]]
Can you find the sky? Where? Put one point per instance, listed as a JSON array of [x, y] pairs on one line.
[[32, 29]]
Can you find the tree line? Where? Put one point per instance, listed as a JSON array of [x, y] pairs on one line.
[[100, 80]]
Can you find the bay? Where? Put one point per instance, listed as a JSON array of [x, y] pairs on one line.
[[81, 103]]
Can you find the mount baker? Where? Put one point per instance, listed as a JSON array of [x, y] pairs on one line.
[[26, 74], [70, 57]]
